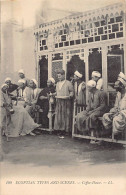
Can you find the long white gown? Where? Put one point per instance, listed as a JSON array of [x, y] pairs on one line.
[[116, 118], [20, 122]]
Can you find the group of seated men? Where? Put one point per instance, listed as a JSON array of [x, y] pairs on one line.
[[115, 120], [64, 92], [15, 118]]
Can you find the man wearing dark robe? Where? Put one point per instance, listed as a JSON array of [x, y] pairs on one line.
[[97, 105], [43, 102], [12, 88]]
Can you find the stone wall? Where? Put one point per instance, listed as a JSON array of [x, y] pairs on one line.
[[17, 51]]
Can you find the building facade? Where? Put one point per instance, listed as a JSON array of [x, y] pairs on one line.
[[93, 40]]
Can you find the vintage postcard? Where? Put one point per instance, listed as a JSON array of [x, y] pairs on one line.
[[63, 97]]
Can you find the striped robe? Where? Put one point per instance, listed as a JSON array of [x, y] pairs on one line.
[[63, 116]]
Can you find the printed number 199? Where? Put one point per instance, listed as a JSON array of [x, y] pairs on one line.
[[110, 182], [8, 182]]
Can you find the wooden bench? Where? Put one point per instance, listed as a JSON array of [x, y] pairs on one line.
[[121, 140], [77, 134]]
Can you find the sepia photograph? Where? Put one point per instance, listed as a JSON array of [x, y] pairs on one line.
[[62, 97]]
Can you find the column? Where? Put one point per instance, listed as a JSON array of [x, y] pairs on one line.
[[36, 65], [124, 31], [125, 57], [64, 62], [38, 70], [104, 67], [49, 64], [86, 55], [37, 74]]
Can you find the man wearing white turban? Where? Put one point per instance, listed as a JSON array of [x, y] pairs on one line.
[[21, 74], [79, 89], [12, 86], [88, 119], [43, 101], [96, 76], [21, 87], [116, 118], [31, 94]]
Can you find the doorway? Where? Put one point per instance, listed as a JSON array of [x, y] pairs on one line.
[[43, 64], [114, 67]]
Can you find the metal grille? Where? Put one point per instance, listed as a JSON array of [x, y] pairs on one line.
[[114, 64]]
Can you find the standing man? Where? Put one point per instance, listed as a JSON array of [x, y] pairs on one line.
[[22, 76], [63, 116], [79, 89], [43, 101], [96, 76]]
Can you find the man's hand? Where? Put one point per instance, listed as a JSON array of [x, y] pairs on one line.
[[43, 98], [90, 112], [34, 102], [70, 96], [75, 100], [4, 104], [28, 103]]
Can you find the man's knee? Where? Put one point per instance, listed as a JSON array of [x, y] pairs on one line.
[[93, 117], [105, 116], [116, 119]]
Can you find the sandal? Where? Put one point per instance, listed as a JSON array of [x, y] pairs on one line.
[[33, 134]]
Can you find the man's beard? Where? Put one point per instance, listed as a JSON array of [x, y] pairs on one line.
[[119, 89]]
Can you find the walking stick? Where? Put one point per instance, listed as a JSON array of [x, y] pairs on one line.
[[50, 116], [17, 97], [51, 101], [6, 128], [6, 124]]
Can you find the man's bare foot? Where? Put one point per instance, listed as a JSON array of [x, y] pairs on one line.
[[33, 134]]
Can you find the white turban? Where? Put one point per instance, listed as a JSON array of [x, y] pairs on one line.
[[4, 85], [52, 80], [78, 74], [8, 79], [21, 81], [91, 83], [34, 81], [21, 71], [96, 73], [121, 75], [122, 81], [122, 78]]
